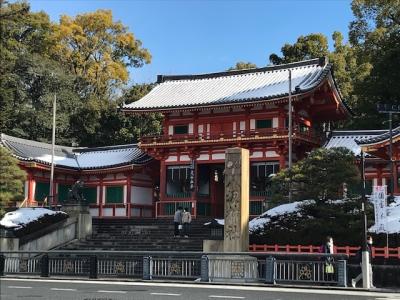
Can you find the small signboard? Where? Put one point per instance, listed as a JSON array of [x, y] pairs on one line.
[[192, 174], [378, 197]]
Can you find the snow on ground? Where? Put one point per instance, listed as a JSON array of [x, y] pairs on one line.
[[21, 217], [283, 209], [393, 218], [393, 223], [219, 221]]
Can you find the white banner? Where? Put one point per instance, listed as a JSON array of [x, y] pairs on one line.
[[378, 197]]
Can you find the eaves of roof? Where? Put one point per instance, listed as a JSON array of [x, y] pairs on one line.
[[71, 158], [379, 138]]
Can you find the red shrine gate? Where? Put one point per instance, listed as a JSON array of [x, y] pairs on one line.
[[206, 114]]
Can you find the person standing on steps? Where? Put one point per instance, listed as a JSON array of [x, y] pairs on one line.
[[177, 221], [186, 220], [359, 258]]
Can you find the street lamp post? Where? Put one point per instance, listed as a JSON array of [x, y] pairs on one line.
[[365, 255]]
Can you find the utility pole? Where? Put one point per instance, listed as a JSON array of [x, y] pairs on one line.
[[53, 141], [390, 109]]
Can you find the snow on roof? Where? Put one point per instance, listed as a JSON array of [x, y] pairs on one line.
[[75, 158], [21, 217], [233, 86], [347, 139]]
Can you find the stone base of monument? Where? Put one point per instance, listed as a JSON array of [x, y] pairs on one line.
[[83, 217], [74, 209], [232, 268]]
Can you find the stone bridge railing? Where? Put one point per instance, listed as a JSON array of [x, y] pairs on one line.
[[270, 268]]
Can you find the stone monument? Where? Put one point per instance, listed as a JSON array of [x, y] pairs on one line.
[[236, 212], [233, 267], [77, 207]]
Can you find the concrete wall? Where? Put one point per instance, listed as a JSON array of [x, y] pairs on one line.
[[53, 239], [75, 227]]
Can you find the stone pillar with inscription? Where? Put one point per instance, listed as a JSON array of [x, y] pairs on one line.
[[232, 266], [237, 176]]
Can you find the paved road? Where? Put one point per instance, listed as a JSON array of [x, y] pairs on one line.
[[94, 290]]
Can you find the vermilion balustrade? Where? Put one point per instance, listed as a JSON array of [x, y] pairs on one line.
[[349, 250]]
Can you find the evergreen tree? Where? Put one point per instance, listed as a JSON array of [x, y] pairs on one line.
[[12, 179], [306, 47], [375, 36], [320, 176], [241, 65]]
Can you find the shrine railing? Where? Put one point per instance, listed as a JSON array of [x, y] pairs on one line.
[[383, 252], [224, 136], [168, 208], [122, 210]]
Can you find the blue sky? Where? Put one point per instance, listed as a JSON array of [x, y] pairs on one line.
[[189, 37]]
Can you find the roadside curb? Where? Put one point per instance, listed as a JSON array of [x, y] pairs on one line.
[[185, 282]]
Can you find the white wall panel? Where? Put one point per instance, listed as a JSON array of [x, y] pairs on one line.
[[94, 212], [184, 158], [257, 154], [120, 212], [271, 154], [218, 156], [172, 158], [107, 212], [275, 122], [252, 124], [204, 157], [141, 195]]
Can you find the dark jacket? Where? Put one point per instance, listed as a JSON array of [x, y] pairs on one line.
[[327, 250], [359, 254]]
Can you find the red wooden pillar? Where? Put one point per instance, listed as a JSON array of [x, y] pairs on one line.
[[195, 124], [282, 158], [396, 188], [128, 194], [163, 179], [54, 201], [31, 188], [101, 197], [379, 174], [247, 121], [281, 118]]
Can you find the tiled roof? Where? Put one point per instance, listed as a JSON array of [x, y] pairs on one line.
[[348, 139], [379, 138], [75, 158], [232, 86]]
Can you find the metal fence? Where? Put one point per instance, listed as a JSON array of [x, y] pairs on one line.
[[265, 267], [305, 271], [170, 267]]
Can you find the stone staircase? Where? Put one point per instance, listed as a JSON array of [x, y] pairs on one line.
[[141, 235]]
